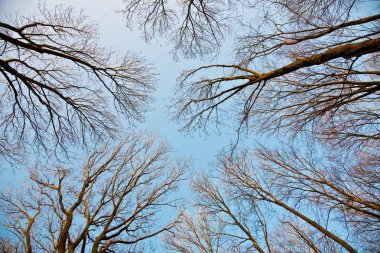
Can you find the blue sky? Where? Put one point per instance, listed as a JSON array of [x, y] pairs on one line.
[[114, 34]]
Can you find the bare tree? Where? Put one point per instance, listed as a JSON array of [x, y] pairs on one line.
[[304, 66], [57, 82], [196, 28], [7, 246], [301, 66], [293, 236], [317, 204], [113, 205], [198, 234]]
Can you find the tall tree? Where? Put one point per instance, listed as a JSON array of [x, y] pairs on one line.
[[304, 66], [113, 204], [198, 234], [196, 28], [281, 201], [301, 66], [57, 82], [308, 67]]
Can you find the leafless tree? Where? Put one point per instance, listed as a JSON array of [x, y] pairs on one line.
[[317, 204], [58, 83], [196, 27], [236, 216], [7, 246], [198, 234], [304, 66], [301, 66], [113, 205], [293, 236]]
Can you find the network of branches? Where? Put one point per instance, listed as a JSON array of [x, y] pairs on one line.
[[114, 203], [284, 201], [58, 84], [307, 66], [306, 70]]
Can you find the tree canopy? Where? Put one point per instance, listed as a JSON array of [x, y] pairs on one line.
[[305, 70], [302, 68], [112, 204], [58, 84], [300, 65]]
